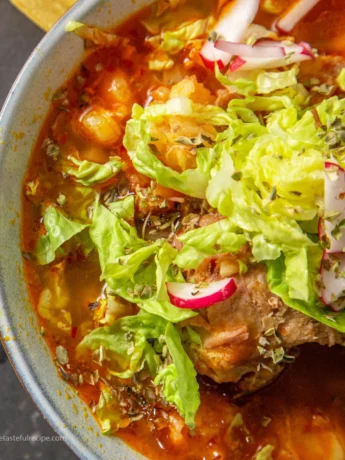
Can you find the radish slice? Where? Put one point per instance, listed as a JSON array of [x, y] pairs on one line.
[[334, 207], [240, 49], [293, 47], [293, 53], [232, 26], [236, 64], [295, 14], [307, 49], [333, 289], [187, 295]]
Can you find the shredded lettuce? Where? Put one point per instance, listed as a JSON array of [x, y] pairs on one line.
[[161, 64], [179, 379], [220, 237], [192, 182], [108, 411], [59, 230], [258, 82], [133, 268], [168, 43], [136, 342], [262, 250], [265, 453], [278, 284], [173, 41], [112, 237], [341, 80], [124, 266], [73, 25], [123, 208], [269, 179], [137, 141], [94, 34], [163, 259], [89, 173], [297, 274], [184, 107], [55, 299], [129, 342]]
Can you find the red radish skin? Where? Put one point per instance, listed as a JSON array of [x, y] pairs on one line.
[[334, 197], [232, 26], [236, 64], [210, 64], [300, 9], [191, 296], [307, 49], [333, 285]]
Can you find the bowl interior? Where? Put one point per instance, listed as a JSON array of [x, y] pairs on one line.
[[23, 114]]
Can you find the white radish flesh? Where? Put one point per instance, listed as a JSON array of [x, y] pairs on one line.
[[333, 283], [293, 53], [240, 49], [188, 295], [232, 26], [334, 196], [288, 21]]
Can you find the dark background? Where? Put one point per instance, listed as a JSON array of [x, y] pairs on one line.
[[18, 414]]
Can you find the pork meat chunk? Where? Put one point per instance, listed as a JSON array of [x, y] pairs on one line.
[[245, 337]]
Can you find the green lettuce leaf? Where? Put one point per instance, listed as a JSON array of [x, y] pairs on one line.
[[147, 284], [73, 25], [137, 138], [126, 266], [259, 82], [112, 237], [89, 173], [108, 411], [248, 212], [174, 41], [163, 259], [265, 453], [161, 64], [134, 269], [184, 107], [123, 208], [94, 34], [262, 250], [192, 182], [268, 103], [278, 284], [220, 237], [179, 379], [136, 342], [128, 343], [297, 274], [166, 310], [341, 79], [59, 230]]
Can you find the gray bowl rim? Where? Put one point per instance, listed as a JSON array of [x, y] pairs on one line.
[[12, 102]]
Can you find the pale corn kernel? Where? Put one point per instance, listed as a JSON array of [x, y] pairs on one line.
[[99, 124], [179, 158], [160, 94], [116, 88], [228, 268]]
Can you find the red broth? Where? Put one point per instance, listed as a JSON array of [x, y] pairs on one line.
[[302, 414]]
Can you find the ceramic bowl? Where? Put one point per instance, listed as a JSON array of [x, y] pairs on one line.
[[21, 119]]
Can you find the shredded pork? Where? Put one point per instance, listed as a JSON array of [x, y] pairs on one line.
[[249, 338]]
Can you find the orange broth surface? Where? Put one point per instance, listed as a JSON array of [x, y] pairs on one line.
[[302, 413]]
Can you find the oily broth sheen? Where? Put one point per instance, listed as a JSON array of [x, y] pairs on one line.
[[303, 412]]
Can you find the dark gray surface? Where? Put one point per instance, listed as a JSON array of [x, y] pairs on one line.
[[18, 414]]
